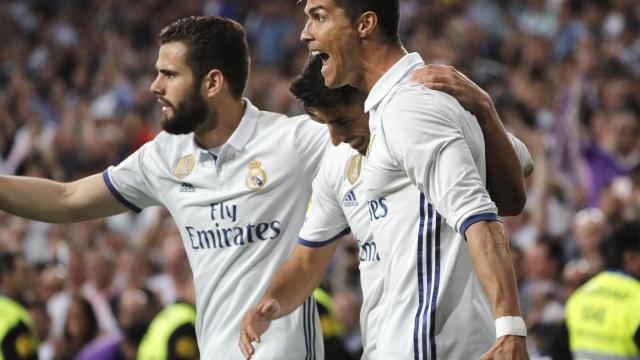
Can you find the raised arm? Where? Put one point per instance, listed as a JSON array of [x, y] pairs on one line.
[[290, 286], [56, 202], [505, 175]]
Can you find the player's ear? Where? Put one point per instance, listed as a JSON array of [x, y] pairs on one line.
[[212, 83], [366, 24]]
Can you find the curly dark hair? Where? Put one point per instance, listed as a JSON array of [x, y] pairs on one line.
[[309, 87]]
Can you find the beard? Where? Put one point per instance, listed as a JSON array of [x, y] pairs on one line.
[[188, 115]]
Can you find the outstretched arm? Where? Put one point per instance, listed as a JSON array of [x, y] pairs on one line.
[[505, 176], [56, 202], [290, 286]]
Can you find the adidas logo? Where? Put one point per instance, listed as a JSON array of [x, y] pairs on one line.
[[186, 187], [350, 200]]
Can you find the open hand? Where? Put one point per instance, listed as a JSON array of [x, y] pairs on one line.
[[254, 323]]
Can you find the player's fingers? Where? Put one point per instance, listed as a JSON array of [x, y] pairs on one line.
[[245, 345], [440, 87]]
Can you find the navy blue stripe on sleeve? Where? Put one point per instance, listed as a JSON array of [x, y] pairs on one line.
[[317, 244], [474, 219], [116, 194]]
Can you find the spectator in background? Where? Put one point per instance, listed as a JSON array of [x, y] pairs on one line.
[[58, 304], [172, 332], [42, 327], [542, 309], [80, 328], [100, 289], [559, 93], [589, 228], [135, 308], [18, 339], [602, 316], [175, 270]]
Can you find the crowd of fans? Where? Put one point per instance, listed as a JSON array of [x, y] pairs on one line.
[[74, 99]]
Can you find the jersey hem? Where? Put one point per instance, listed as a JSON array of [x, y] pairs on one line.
[[317, 244], [116, 194]]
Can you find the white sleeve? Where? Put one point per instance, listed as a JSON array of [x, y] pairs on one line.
[[325, 220], [130, 181], [311, 140], [526, 162], [424, 139]]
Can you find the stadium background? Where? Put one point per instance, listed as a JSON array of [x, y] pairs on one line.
[[74, 99]]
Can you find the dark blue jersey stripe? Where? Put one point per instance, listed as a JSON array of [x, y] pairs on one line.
[[116, 194], [436, 286], [419, 260], [317, 244], [474, 219]]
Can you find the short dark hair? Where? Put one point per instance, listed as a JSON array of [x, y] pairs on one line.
[[624, 238], [388, 12], [213, 42], [310, 88]]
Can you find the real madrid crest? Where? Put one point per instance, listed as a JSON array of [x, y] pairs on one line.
[[184, 166], [354, 169], [256, 177]]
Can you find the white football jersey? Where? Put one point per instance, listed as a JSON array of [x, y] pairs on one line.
[[339, 204], [239, 218], [425, 181]]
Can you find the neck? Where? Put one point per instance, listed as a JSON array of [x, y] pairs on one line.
[[377, 59], [224, 124]]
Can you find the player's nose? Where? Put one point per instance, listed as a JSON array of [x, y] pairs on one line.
[[305, 35], [155, 86], [336, 137]]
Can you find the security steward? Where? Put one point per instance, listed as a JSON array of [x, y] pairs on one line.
[[171, 335], [603, 315], [18, 340]]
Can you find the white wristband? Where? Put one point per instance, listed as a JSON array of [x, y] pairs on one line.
[[510, 325]]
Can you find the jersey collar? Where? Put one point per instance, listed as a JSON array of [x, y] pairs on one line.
[[240, 136], [392, 77], [245, 129]]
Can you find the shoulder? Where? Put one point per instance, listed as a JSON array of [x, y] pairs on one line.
[[337, 159], [165, 145], [164, 142], [412, 98], [284, 125]]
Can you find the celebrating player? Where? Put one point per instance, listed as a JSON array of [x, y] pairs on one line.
[[339, 201], [235, 179], [450, 288]]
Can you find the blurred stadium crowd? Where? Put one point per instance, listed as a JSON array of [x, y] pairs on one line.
[[74, 99]]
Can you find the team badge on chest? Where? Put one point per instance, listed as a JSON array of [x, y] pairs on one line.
[[256, 177], [354, 169], [184, 166]]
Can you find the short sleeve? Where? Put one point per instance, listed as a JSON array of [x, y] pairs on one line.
[[311, 140], [523, 153], [424, 139], [130, 181], [325, 220]]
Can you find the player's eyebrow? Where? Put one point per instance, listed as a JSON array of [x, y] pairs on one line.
[[166, 72], [338, 119], [314, 9]]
